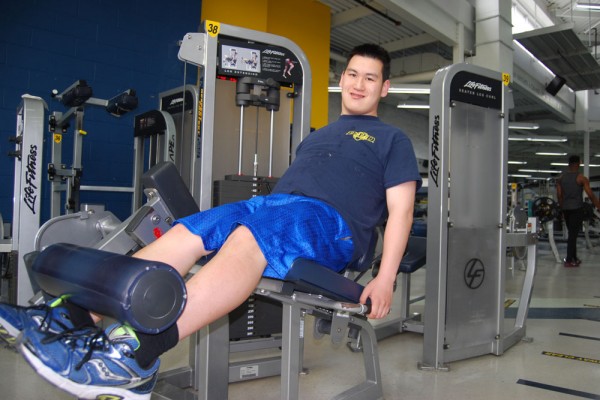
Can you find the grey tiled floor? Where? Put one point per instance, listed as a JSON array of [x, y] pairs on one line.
[[486, 377]]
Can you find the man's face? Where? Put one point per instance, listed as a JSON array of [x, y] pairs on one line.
[[363, 86]]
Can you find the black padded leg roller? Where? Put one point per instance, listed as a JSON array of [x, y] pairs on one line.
[[148, 295]]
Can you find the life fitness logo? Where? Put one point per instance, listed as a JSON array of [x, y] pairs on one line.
[[474, 273], [434, 159], [478, 86]]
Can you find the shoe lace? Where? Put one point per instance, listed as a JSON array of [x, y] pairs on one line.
[[93, 339], [49, 318], [41, 307]]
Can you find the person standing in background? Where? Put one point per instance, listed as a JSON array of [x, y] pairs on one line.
[[569, 190]]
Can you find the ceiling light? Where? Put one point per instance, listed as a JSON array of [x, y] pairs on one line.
[[414, 106], [560, 139], [518, 162], [410, 89], [397, 89], [588, 6], [541, 153], [542, 171], [559, 164], [519, 176], [523, 125]]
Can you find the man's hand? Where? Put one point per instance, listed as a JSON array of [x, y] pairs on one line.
[[380, 291]]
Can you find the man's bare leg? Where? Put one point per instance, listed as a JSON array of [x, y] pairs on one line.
[[178, 248], [224, 283], [221, 285]]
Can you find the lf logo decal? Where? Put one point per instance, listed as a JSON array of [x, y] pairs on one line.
[[474, 273]]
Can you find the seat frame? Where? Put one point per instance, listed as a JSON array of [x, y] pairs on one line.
[[302, 292], [209, 372]]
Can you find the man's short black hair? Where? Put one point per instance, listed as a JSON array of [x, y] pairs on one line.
[[574, 159], [375, 51]]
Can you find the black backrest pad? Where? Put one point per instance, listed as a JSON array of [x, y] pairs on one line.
[[364, 263], [311, 277], [415, 255], [165, 178]]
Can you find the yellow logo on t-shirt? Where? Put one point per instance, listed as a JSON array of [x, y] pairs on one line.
[[358, 136]]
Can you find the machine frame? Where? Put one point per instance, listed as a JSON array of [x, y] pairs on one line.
[[467, 235]]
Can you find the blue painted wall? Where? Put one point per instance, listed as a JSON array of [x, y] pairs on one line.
[[114, 45]]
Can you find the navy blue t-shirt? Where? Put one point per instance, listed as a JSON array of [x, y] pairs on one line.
[[349, 164]]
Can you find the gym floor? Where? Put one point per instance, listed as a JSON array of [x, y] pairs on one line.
[[561, 361]]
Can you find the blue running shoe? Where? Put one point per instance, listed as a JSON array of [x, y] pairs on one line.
[[90, 363], [50, 316]]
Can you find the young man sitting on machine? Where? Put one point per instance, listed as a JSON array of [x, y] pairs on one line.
[[344, 178]]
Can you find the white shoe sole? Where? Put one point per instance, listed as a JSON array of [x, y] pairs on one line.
[[83, 392]]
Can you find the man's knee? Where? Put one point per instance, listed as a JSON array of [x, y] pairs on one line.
[[183, 239], [242, 235], [242, 241], [242, 231], [180, 229]]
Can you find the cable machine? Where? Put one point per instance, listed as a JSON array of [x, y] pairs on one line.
[[247, 69], [467, 233]]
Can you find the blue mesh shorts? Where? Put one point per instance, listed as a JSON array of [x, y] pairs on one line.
[[285, 227]]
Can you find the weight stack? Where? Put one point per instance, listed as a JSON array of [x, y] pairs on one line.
[[257, 317], [240, 187]]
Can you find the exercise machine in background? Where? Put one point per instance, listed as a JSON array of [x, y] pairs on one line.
[[467, 235], [77, 97], [30, 174]]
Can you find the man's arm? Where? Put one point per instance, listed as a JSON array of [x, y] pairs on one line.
[[585, 182], [559, 192], [400, 203]]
